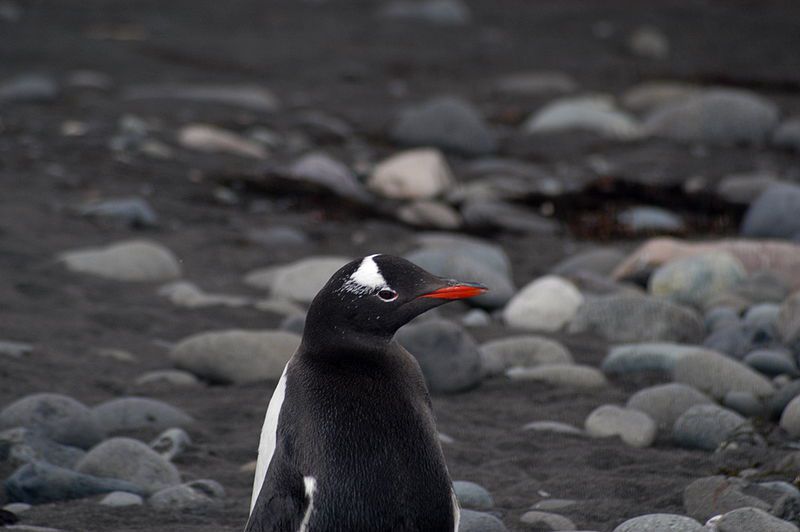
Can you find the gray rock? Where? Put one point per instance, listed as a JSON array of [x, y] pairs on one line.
[[634, 427], [778, 401], [17, 508], [790, 419], [479, 250], [567, 375], [250, 97], [788, 135], [167, 377], [536, 83], [440, 12], [764, 315], [215, 140], [546, 521], [446, 122], [648, 42], [720, 317], [545, 304], [789, 323], [549, 505], [121, 499], [497, 214], [631, 318], [320, 169], [774, 213], [650, 356], [426, 213], [752, 519], [40, 483], [135, 211], [294, 324], [739, 338], [134, 260], [649, 95], [171, 443], [449, 357], [421, 173], [716, 375], [660, 523], [665, 403], [236, 356], [197, 496], [57, 417], [695, 280], [555, 427], [278, 236], [743, 189], [744, 403], [132, 461], [772, 362], [460, 263], [476, 318], [706, 426], [716, 116], [187, 294], [650, 219], [296, 281], [15, 349], [472, 496], [709, 496], [472, 521], [764, 287], [29, 445], [522, 351], [32, 88], [596, 114], [601, 261], [137, 413]]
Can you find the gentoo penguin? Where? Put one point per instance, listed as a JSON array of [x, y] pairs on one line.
[[349, 442]]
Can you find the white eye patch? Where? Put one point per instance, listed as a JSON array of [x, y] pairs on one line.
[[367, 278]]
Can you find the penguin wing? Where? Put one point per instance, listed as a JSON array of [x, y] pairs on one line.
[[285, 501]]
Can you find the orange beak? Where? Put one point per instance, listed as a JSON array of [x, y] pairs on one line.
[[457, 291]]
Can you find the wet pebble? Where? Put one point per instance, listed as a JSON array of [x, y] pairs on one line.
[[787, 135], [772, 362], [323, 170], [649, 356], [424, 213], [650, 219], [496, 214], [250, 97], [189, 295], [15, 349], [790, 419], [556, 427], [744, 403], [707, 497], [21, 445]]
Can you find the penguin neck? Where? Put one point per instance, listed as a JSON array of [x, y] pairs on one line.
[[331, 340]]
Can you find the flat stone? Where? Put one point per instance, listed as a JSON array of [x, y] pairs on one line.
[[665, 403], [211, 139], [439, 12], [790, 419], [421, 173], [15, 349], [522, 351], [555, 427], [709, 496], [189, 295], [189, 497], [752, 519], [472, 521], [706, 426], [29, 88], [716, 375], [236, 356], [646, 219], [660, 523], [425, 213], [249, 97], [649, 356], [139, 413], [601, 261], [547, 521], [787, 135], [22, 445], [567, 375], [121, 499], [546, 304], [58, 417], [588, 113], [743, 189], [536, 83], [321, 169], [506, 216], [634, 427], [134, 211], [472, 496], [772, 362], [649, 95], [133, 260], [774, 213], [695, 280], [167, 377]]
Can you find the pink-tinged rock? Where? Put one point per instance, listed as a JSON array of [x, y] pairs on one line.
[[781, 258]]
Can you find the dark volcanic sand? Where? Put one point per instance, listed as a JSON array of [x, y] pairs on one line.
[[331, 56]]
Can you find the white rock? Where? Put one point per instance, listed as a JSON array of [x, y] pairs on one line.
[[413, 174], [589, 113], [211, 139], [133, 260], [187, 294], [634, 427], [297, 281], [716, 375], [567, 375], [546, 304]]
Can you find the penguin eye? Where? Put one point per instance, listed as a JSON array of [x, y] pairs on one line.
[[387, 294]]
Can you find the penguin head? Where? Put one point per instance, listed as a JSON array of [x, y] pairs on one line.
[[374, 296]]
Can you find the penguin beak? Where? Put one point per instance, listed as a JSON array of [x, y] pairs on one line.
[[456, 290]]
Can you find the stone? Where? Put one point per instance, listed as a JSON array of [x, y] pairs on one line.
[[472, 496], [190, 497], [652, 94], [475, 248], [472, 521], [497, 214], [421, 173], [777, 257], [132, 260], [121, 499], [211, 139], [720, 317], [695, 280], [21, 446], [536, 83], [189, 295], [476, 318], [716, 116], [634, 427], [661, 523], [548, 505], [601, 261], [41, 483], [778, 402], [132, 461], [29, 88], [278, 236], [736, 339], [321, 169], [763, 287], [716, 375], [651, 356], [546, 521], [546, 304], [248, 97], [790, 419], [665, 403], [15, 349], [752, 519], [787, 135], [16, 508], [744, 403], [596, 114], [439, 12], [167, 377], [297, 281], [555, 427], [236, 356], [646, 219], [522, 351], [448, 356], [709, 496], [648, 42], [171, 443], [634, 318], [134, 211], [743, 189], [788, 324], [772, 362], [566, 375], [57, 417], [706, 426], [446, 122], [462, 262], [139, 413], [425, 213], [774, 213]]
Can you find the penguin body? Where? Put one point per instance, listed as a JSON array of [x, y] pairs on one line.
[[349, 442]]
